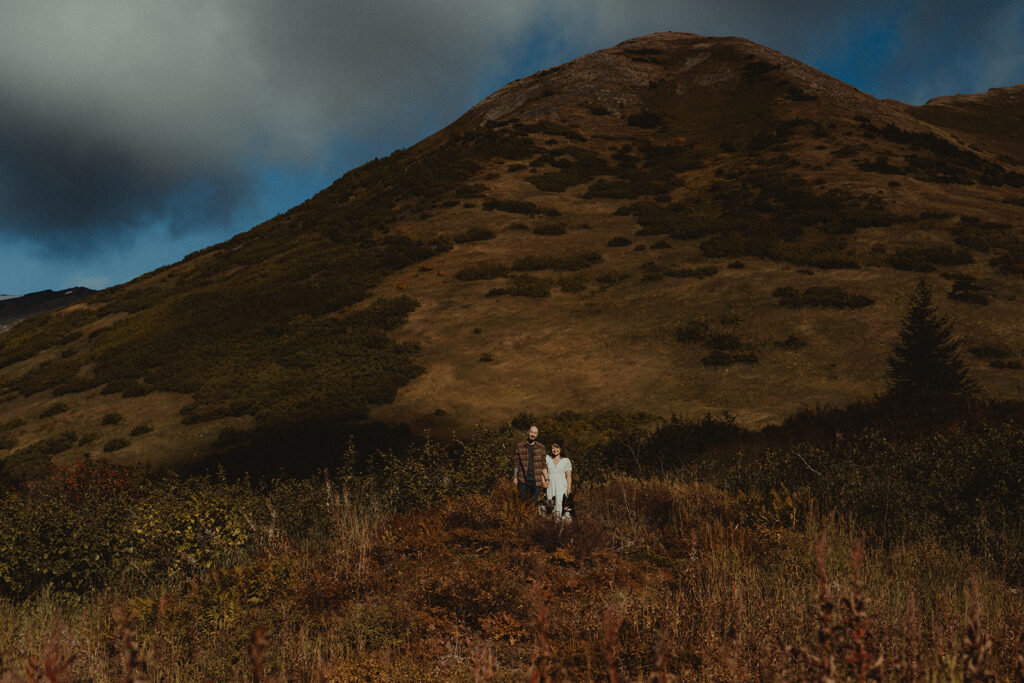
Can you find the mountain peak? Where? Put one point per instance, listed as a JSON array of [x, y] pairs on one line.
[[678, 224]]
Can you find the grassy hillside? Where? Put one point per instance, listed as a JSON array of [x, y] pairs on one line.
[[675, 225]]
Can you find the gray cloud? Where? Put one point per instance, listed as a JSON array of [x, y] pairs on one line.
[[119, 114]]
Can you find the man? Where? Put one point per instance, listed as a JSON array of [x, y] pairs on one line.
[[529, 467]]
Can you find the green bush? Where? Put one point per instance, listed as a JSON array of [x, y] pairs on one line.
[[573, 284], [791, 343], [725, 358], [477, 234], [570, 262], [820, 297], [35, 460], [612, 277], [55, 409], [645, 119], [969, 292], [693, 331], [524, 285], [116, 444], [513, 206], [956, 485], [549, 229], [701, 272], [487, 270], [723, 342], [924, 259], [89, 526], [989, 351], [126, 387]]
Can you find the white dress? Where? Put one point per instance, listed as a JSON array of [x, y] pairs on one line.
[[557, 483]]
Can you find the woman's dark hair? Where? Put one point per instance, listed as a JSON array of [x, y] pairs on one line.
[[557, 442]]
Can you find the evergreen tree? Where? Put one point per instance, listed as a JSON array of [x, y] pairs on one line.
[[925, 363]]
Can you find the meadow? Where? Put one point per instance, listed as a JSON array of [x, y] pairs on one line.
[[832, 560]]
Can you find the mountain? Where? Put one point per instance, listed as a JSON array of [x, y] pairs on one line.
[[14, 309], [675, 225]]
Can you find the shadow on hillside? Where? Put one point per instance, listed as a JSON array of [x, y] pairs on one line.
[[301, 448]]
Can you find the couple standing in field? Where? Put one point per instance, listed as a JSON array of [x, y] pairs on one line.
[[533, 471]]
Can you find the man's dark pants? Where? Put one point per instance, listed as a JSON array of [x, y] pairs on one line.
[[528, 492]]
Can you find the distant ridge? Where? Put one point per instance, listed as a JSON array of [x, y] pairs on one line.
[[14, 309]]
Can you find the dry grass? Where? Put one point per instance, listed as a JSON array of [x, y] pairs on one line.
[[656, 580]]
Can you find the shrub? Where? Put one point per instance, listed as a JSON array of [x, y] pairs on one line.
[[924, 259], [612, 277], [968, 292], [524, 285], [116, 444], [986, 236], [820, 297], [549, 229], [619, 241], [476, 234], [571, 262], [722, 342], [24, 465], [791, 343], [1005, 364], [574, 283], [112, 419], [724, 358], [486, 358], [141, 429], [661, 244], [645, 119], [693, 331], [701, 272], [513, 206], [465, 191], [55, 409], [487, 270], [126, 387], [989, 351]]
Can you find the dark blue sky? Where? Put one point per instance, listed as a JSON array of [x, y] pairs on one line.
[[134, 133]]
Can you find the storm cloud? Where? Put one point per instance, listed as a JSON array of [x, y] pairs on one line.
[[120, 115]]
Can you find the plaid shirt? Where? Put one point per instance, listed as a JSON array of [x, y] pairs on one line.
[[522, 465]]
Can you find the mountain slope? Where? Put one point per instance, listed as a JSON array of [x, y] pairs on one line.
[[14, 309], [678, 224]]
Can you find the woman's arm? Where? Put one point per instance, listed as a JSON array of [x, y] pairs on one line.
[[568, 483]]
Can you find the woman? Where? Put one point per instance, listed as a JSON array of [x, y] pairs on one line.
[[559, 477]]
